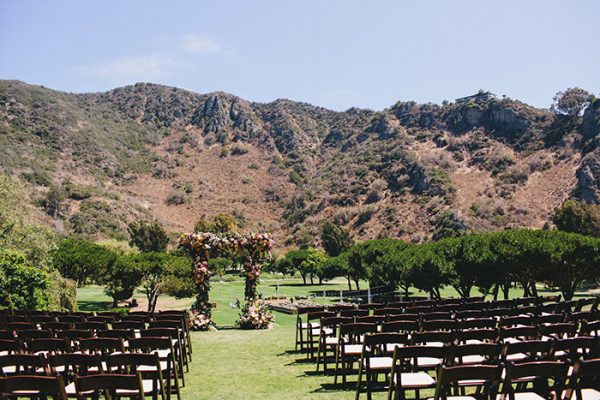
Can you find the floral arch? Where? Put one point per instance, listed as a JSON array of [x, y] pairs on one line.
[[252, 248]]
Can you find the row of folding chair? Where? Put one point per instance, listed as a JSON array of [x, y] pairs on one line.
[[341, 337], [324, 335], [81, 375], [103, 348], [423, 354], [458, 309], [536, 380], [73, 330], [105, 342]]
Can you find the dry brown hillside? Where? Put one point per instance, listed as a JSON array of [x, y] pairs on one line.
[[411, 170]]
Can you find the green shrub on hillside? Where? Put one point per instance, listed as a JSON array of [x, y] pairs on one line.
[[22, 286]]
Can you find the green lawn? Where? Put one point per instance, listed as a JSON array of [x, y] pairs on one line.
[[232, 363]]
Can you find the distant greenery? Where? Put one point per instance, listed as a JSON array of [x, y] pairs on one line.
[[579, 217], [493, 262]]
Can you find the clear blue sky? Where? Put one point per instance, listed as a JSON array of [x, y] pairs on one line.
[[335, 54]]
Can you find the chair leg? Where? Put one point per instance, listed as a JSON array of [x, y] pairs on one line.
[[369, 376], [358, 388]]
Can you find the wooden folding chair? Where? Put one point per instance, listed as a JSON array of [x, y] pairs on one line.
[[436, 315], [513, 334], [28, 334], [372, 306], [405, 375], [433, 338], [349, 346], [574, 348], [526, 351], [584, 381], [301, 326], [550, 319], [33, 387], [484, 378], [439, 325], [557, 331], [400, 326], [354, 313], [163, 346], [474, 336], [182, 315], [178, 324], [69, 365], [148, 365], [476, 353], [176, 338], [516, 321], [478, 323], [91, 326], [112, 385], [74, 336], [376, 358], [546, 377], [371, 319], [48, 346], [127, 324], [24, 364], [328, 338], [56, 326], [313, 331]]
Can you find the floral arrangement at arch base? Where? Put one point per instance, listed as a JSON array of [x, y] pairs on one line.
[[255, 315], [253, 247]]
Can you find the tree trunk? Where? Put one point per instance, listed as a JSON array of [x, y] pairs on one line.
[[312, 279], [357, 284], [320, 280], [495, 290], [506, 290], [349, 282], [304, 278], [533, 288]]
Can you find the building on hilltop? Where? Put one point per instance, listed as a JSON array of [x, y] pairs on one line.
[[482, 95]]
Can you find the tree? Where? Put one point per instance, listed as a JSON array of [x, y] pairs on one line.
[[156, 273], [394, 267], [578, 217], [368, 255], [571, 259], [122, 278], [303, 261], [148, 236], [572, 102], [221, 223], [53, 200], [428, 270], [82, 261], [335, 239], [22, 286]]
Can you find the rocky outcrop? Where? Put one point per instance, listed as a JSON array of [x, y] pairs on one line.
[[590, 126], [502, 117], [588, 178]]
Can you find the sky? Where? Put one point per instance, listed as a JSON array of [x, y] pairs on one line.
[[331, 53]]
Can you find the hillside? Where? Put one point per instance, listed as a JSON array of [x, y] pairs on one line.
[[407, 171]]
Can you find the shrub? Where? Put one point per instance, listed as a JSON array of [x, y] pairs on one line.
[[176, 197], [238, 149], [22, 286]]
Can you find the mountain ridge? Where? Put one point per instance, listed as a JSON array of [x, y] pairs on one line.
[[154, 151]]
